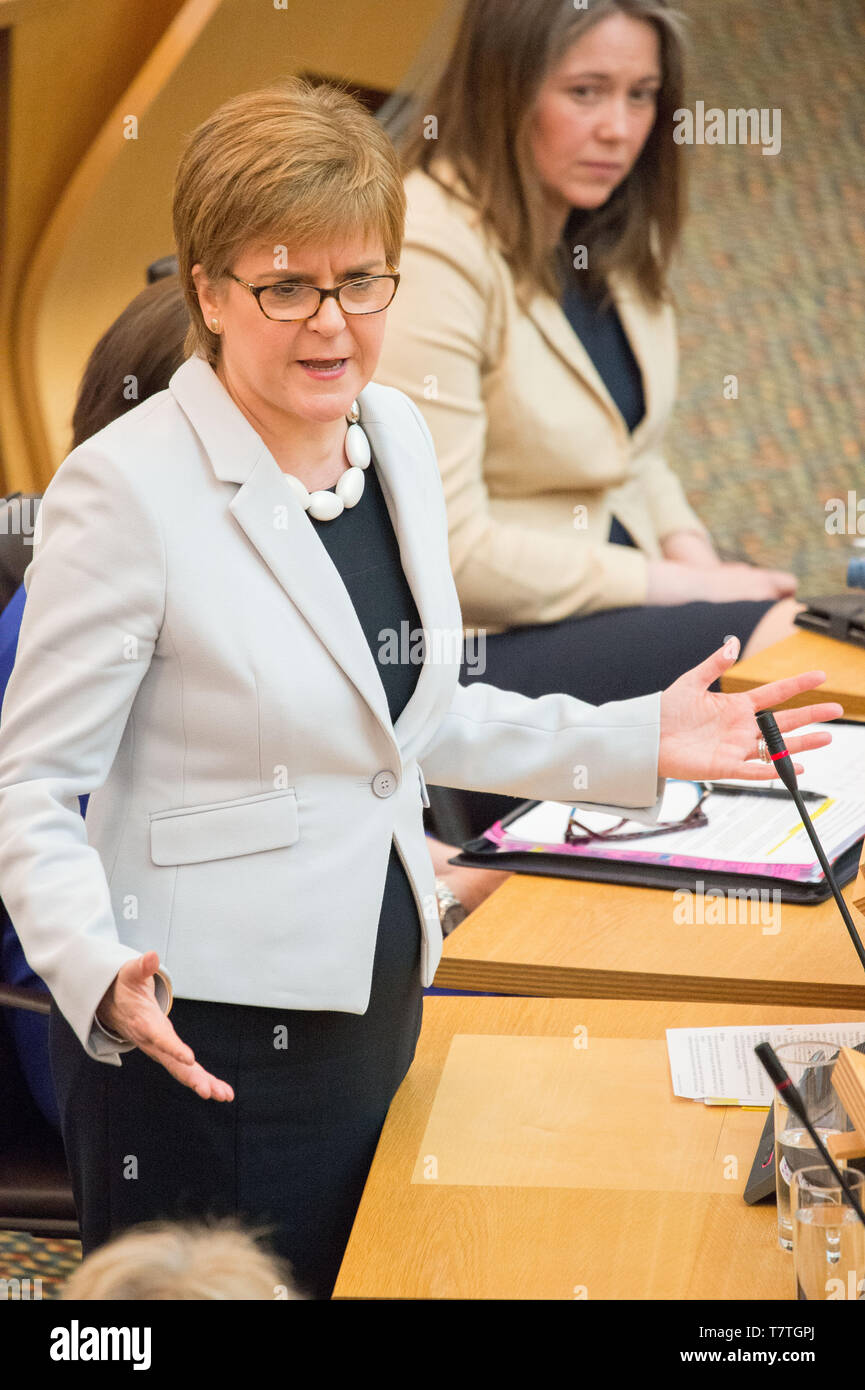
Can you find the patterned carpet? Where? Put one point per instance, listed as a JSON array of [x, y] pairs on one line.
[[47, 1264], [771, 286]]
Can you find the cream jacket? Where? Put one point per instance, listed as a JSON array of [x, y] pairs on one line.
[[534, 454]]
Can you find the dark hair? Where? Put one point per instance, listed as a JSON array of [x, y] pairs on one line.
[[483, 103], [136, 357]]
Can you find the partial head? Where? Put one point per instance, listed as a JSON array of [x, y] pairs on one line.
[[544, 108], [134, 358], [217, 1258], [596, 107]]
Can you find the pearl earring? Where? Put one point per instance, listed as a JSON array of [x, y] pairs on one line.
[[214, 323]]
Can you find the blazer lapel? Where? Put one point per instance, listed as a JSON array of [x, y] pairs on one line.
[[552, 321], [267, 510]]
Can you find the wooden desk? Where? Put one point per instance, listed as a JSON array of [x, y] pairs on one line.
[[563, 937], [557, 937], [474, 1191], [807, 651]]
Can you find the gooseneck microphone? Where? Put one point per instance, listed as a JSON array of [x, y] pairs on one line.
[[784, 764], [791, 1097]]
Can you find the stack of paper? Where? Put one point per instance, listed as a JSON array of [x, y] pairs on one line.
[[718, 1066]]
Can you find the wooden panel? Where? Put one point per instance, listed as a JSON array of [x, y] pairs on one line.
[[540, 1112], [546, 936], [844, 665], [127, 220], [116, 194], [807, 651], [56, 108], [420, 1235]]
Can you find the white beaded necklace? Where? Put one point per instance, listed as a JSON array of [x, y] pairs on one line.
[[324, 505]]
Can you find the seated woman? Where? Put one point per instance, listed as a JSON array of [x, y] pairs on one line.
[[535, 332]]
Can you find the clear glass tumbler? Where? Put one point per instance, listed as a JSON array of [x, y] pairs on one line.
[[809, 1066], [828, 1237]]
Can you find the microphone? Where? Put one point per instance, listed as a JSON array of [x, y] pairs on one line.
[[782, 1083], [784, 765]]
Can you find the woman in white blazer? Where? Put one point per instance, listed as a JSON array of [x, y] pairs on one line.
[[207, 649]]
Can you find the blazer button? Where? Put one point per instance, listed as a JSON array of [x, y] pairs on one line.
[[384, 783]]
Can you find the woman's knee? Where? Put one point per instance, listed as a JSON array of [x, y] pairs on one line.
[[774, 626]]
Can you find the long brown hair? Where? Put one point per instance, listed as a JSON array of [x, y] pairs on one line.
[[483, 102]]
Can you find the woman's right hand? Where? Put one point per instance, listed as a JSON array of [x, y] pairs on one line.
[[129, 1008], [671, 583]]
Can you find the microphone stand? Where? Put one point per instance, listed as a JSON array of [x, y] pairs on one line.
[[782, 1082], [784, 764], [791, 1096]]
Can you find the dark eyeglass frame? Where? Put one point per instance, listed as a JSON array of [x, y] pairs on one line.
[[333, 293], [695, 818]]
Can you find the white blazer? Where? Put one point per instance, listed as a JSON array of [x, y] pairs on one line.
[[190, 657]]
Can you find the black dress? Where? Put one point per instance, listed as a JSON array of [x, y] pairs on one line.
[[312, 1088]]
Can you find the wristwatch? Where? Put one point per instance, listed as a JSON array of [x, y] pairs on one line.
[[451, 910]]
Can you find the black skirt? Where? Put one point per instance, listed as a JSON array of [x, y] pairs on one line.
[[294, 1147], [312, 1088]]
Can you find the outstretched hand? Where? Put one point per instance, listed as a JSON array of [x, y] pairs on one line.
[[707, 736], [129, 1008]]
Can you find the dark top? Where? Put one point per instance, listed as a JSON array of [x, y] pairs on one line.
[[363, 546], [602, 335]]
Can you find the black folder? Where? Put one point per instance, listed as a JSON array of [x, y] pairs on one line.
[[483, 854]]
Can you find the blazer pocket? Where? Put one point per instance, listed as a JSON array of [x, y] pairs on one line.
[[223, 829]]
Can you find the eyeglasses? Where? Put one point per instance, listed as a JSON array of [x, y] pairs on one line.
[[287, 300], [690, 797]]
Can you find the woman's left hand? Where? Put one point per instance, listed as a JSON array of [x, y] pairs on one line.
[[707, 736]]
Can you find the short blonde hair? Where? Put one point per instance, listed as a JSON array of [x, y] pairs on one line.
[[197, 1260], [297, 162]]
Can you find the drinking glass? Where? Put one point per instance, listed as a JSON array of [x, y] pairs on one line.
[[828, 1237], [809, 1066]]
